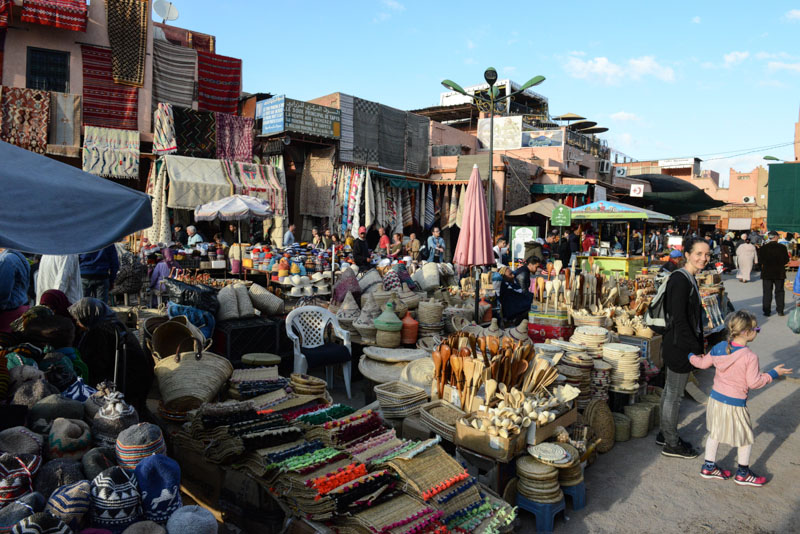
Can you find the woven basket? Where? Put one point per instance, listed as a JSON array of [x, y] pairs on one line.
[[622, 427], [366, 331], [187, 380], [388, 340], [655, 401], [381, 297], [265, 301], [152, 323], [409, 298], [398, 306], [640, 419], [228, 307], [590, 320], [429, 277], [370, 281], [169, 335], [430, 312]]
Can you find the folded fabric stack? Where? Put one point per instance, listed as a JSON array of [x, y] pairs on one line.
[[349, 430], [249, 383]]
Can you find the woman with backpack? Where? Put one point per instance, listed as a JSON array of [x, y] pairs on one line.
[[683, 336]]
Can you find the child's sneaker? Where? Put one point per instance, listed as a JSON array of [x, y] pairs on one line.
[[712, 470], [745, 477]]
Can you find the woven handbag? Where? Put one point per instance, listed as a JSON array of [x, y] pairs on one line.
[[188, 379], [266, 302], [228, 307]]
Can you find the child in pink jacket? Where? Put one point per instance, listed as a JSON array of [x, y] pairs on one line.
[[727, 418]]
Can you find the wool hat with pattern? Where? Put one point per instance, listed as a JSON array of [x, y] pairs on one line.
[[78, 391], [16, 476], [192, 519], [58, 370], [159, 480], [145, 527], [54, 406], [19, 440], [113, 417], [138, 442], [30, 392], [98, 399], [116, 504], [41, 523], [56, 473], [23, 373], [70, 503], [18, 510], [68, 438], [98, 460]]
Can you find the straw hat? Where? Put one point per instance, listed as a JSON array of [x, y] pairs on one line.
[[316, 277], [295, 279], [308, 291], [419, 373], [296, 291], [380, 372]]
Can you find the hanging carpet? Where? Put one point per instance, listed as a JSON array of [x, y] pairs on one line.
[[64, 14], [127, 32], [164, 141], [417, 140], [161, 231], [111, 153], [391, 138], [346, 138], [64, 137], [5, 16], [429, 213], [234, 137], [195, 132], [105, 103], [365, 131], [24, 116], [174, 71], [187, 38], [315, 188], [257, 181], [218, 82]]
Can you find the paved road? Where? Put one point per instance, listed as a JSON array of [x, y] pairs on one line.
[[635, 489]]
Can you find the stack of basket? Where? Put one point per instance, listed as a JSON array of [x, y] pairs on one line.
[[570, 474], [430, 317], [577, 367], [307, 384], [440, 417], [388, 328], [592, 337], [601, 379], [538, 482], [399, 400], [625, 362]]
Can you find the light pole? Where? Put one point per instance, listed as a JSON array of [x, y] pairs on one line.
[[490, 105]]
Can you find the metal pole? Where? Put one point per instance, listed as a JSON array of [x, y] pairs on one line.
[[491, 165]]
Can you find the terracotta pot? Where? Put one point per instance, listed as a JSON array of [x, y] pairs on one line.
[[410, 329]]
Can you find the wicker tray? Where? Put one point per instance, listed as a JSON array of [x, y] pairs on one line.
[[394, 355], [430, 414]]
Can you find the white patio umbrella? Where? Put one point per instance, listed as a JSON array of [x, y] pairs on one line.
[[234, 208]]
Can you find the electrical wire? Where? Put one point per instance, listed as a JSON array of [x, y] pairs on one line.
[[738, 152]]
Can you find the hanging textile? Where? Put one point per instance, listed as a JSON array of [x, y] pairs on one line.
[[277, 190], [452, 210], [369, 201], [5, 15], [315, 182], [64, 134], [105, 103], [111, 153], [365, 131], [445, 210], [25, 114], [346, 137], [276, 162], [462, 200], [195, 132], [257, 181], [417, 140], [360, 178], [234, 137], [127, 33], [429, 209], [391, 138], [174, 71], [164, 141], [64, 14], [218, 82], [160, 232], [345, 199], [408, 218], [186, 38]]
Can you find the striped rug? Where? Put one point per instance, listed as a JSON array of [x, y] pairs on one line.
[[65, 14], [174, 69], [105, 103], [218, 82]]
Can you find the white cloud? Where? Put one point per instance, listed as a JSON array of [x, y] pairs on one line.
[[793, 14], [695, 20], [771, 83], [603, 70], [732, 58], [469, 61], [771, 55], [622, 116], [648, 66], [394, 5], [781, 65], [470, 44]]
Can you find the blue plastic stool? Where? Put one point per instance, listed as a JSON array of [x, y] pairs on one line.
[[578, 494], [545, 513]]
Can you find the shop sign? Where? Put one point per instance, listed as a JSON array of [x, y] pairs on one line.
[[280, 114], [561, 216]]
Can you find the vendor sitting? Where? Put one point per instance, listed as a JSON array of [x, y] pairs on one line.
[[618, 252], [515, 302], [673, 263], [194, 237], [525, 273]]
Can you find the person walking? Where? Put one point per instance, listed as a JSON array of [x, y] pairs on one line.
[[361, 252], [98, 272], [436, 246], [683, 336], [288, 237], [61, 272], [727, 418], [414, 247], [747, 257], [773, 257]]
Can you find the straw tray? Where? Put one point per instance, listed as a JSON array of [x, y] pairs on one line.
[[382, 354], [440, 417], [398, 399]]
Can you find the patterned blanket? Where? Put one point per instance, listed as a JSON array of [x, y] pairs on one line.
[[65, 125], [174, 69], [111, 153], [234, 137], [391, 138], [25, 114], [164, 141], [258, 181], [127, 32], [315, 186], [195, 132], [105, 103], [187, 38], [365, 132], [65, 14], [218, 82]]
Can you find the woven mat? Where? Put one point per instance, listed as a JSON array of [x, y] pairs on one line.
[[391, 138], [111, 153], [427, 469], [218, 82], [25, 115], [65, 14], [174, 69], [234, 137], [64, 136], [195, 132], [105, 103], [127, 32], [315, 188]]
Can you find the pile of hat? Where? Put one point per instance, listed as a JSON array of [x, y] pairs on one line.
[[625, 361], [592, 337]]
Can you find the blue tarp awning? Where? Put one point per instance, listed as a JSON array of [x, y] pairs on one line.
[[49, 207]]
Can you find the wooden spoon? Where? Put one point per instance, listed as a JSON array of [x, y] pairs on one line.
[[557, 267], [444, 350], [456, 378], [549, 287], [437, 365], [557, 289], [540, 285], [469, 370], [491, 388]]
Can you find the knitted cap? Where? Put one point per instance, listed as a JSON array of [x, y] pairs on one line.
[[56, 473], [145, 527], [58, 370], [98, 399], [19, 440], [115, 500], [23, 373], [70, 503], [192, 520], [114, 417], [78, 391], [68, 438], [5, 377], [159, 480], [32, 391], [54, 406], [41, 523], [20, 509], [16, 476], [98, 460], [138, 442]]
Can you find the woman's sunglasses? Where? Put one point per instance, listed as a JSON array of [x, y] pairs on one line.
[[757, 329]]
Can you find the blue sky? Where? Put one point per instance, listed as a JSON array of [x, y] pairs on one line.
[[676, 80]]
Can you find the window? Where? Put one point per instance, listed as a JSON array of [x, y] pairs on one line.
[[48, 70], [743, 177]]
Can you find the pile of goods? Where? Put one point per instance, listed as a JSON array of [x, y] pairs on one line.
[[592, 337], [625, 363]]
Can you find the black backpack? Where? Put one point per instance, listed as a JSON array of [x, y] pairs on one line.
[[656, 315]]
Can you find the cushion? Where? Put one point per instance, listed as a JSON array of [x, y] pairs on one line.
[[258, 359], [228, 305], [245, 306], [327, 354]]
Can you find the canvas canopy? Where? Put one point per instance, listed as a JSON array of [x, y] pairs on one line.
[[542, 207], [195, 181], [607, 210]]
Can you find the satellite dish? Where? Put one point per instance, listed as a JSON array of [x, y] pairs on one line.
[[166, 10]]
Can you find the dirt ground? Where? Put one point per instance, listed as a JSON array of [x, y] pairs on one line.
[[635, 489]]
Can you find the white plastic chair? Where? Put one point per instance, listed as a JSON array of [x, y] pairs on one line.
[[310, 322]]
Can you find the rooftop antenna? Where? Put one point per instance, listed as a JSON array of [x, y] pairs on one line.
[[166, 10]]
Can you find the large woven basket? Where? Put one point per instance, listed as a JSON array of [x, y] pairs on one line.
[[430, 312], [622, 424], [381, 297], [266, 301], [366, 331], [188, 379], [169, 335], [640, 419], [589, 320], [388, 340]]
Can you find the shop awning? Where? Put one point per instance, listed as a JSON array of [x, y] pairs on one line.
[[195, 181], [607, 210], [552, 189], [395, 180], [675, 197], [543, 207]]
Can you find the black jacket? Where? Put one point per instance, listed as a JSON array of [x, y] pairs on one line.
[[182, 237], [523, 277], [773, 258], [684, 334], [564, 251], [361, 252]]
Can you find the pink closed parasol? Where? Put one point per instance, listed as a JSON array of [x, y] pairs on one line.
[[474, 245]]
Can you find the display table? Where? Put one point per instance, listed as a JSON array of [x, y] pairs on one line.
[[630, 266]]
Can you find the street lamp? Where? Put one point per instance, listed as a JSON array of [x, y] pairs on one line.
[[772, 158], [490, 105]]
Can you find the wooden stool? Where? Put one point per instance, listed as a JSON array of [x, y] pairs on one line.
[[260, 359]]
